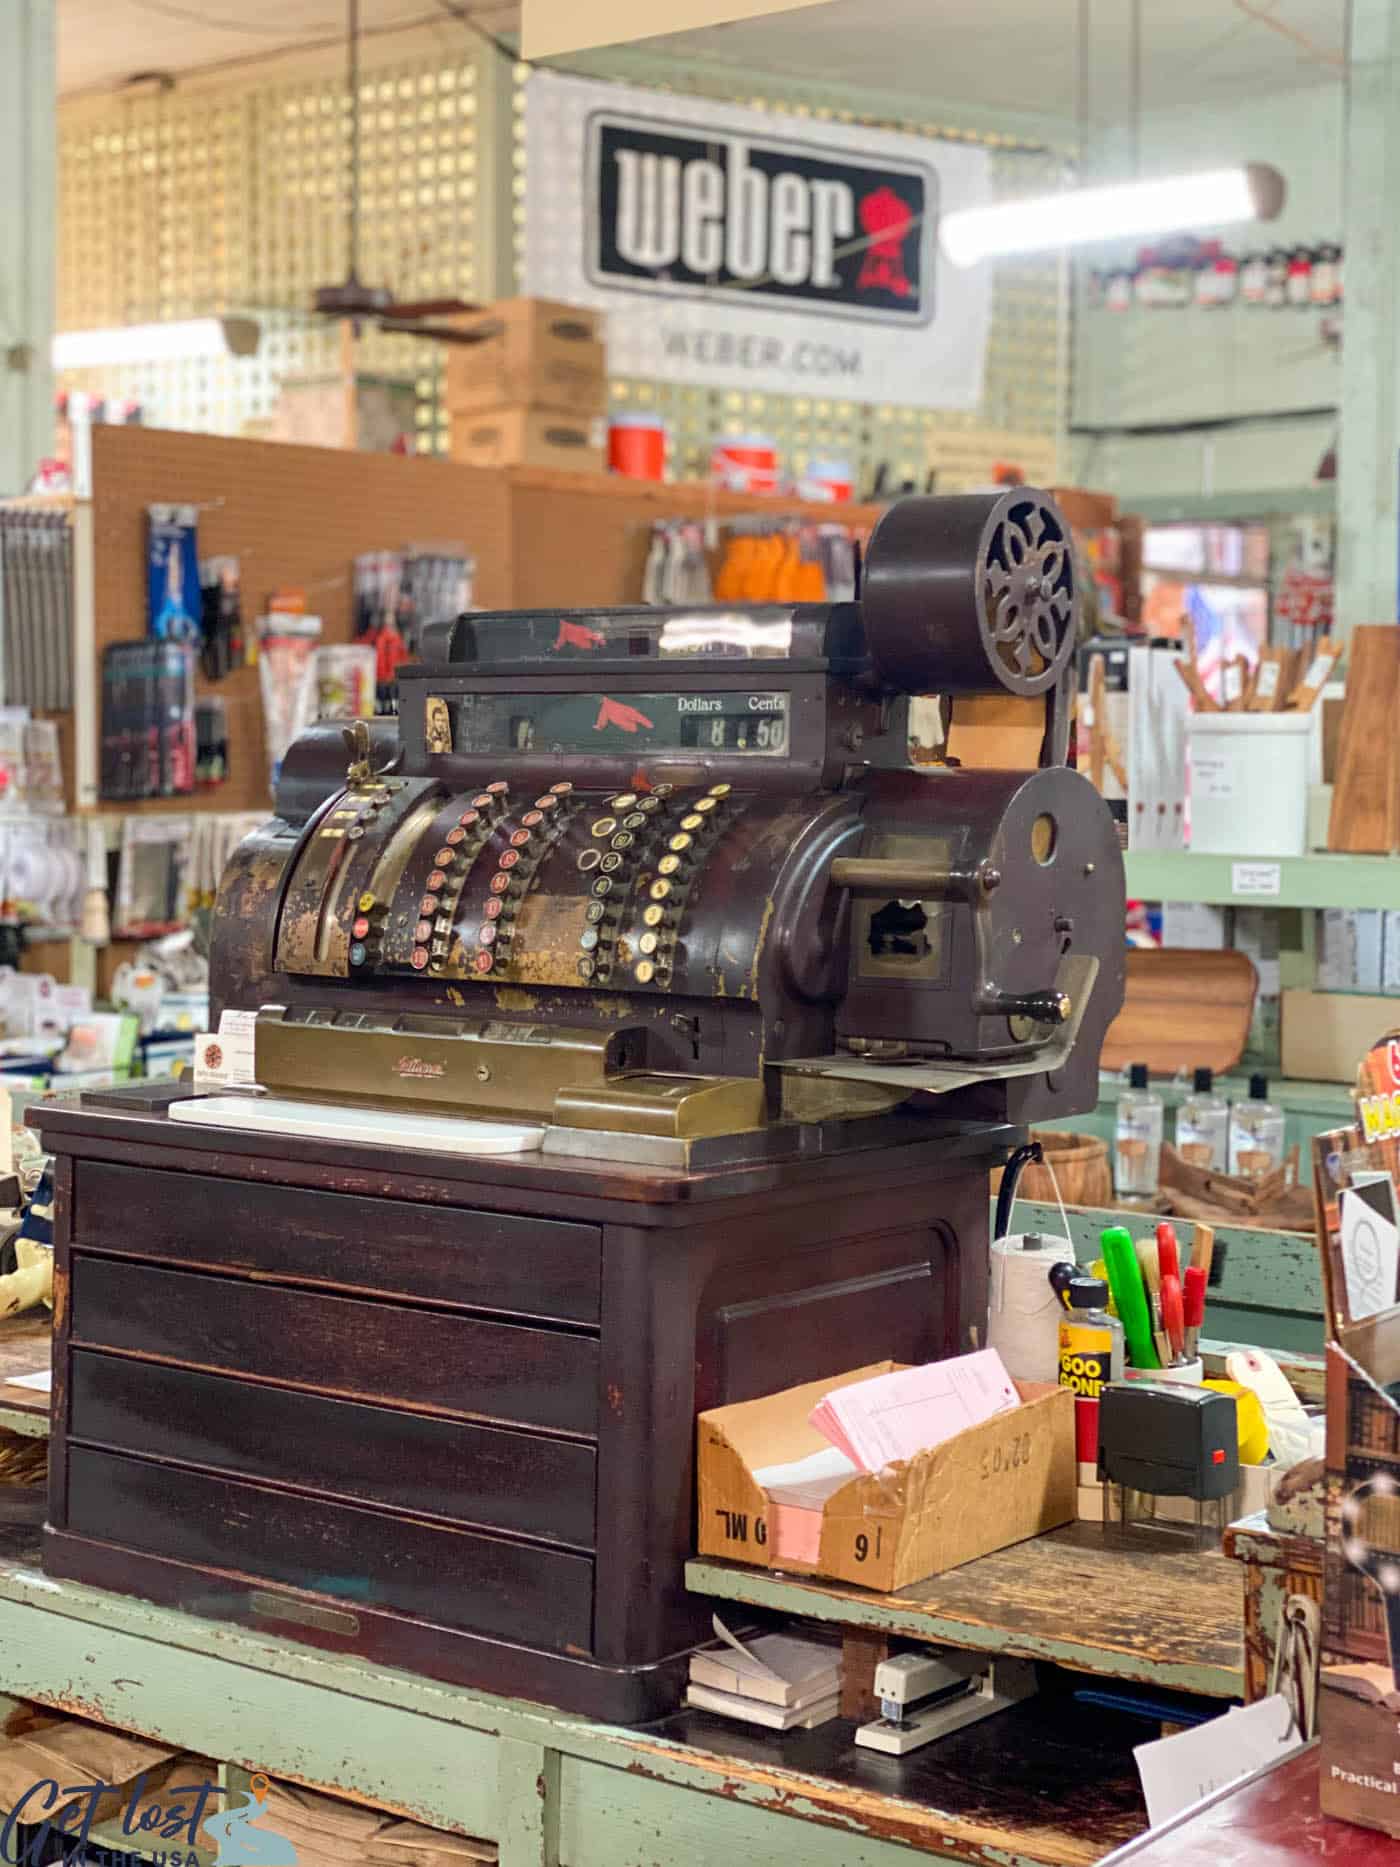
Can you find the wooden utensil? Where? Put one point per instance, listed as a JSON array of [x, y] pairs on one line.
[[1316, 675]]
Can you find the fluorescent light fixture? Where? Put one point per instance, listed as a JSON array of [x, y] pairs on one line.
[[156, 343], [1079, 216]]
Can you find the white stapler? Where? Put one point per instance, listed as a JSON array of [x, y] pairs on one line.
[[924, 1696]]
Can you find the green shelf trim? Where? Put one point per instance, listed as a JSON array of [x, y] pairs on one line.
[[1319, 881]]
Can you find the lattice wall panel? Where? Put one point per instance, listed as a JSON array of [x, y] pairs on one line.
[[234, 199], [1025, 386]]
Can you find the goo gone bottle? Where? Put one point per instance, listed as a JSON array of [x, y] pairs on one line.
[[1091, 1353]]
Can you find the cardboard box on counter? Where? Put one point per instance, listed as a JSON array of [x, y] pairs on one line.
[[528, 437], [1359, 1683], [1010, 1478], [1323, 1033], [531, 350]]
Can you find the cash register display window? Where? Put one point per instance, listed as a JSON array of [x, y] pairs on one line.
[[669, 635], [750, 723]]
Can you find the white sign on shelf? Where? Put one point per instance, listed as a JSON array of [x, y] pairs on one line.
[[1256, 880]]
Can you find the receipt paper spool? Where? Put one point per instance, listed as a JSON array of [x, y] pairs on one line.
[[1024, 1325]]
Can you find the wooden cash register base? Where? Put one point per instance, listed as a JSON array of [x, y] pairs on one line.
[[439, 1412]]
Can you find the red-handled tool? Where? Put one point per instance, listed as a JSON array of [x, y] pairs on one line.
[[1168, 1257], [1193, 1297], [1173, 1316]]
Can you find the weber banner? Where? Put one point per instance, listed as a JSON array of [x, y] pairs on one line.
[[733, 248]]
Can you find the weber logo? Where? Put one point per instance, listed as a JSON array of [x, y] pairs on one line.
[[679, 210]]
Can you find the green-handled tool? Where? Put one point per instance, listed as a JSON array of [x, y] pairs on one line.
[[1129, 1296]]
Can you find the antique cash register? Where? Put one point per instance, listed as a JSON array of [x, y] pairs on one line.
[[635, 1031]]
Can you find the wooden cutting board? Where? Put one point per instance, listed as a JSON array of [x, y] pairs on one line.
[[1366, 793], [1182, 1009]]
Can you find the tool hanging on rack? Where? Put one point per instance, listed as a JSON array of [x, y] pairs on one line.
[[759, 560], [36, 599]]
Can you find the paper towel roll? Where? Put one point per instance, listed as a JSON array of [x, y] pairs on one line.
[[1024, 1324]]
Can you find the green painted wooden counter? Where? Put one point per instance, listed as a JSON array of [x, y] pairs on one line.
[[1148, 1616], [1047, 1784]]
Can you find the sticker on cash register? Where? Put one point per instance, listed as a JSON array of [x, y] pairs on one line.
[[224, 1059]]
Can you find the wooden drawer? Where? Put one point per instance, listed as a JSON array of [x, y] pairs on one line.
[[374, 1351], [375, 1455], [483, 1260], [360, 1558]]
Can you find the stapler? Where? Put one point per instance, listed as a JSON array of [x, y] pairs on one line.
[[924, 1696]]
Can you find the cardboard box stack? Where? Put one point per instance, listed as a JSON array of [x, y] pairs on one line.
[[532, 391]]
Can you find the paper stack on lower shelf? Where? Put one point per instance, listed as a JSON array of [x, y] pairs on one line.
[[781, 1681]]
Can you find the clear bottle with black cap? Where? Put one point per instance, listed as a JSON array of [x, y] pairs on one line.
[[1203, 1125], [1137, 1140], [1256, 1132]]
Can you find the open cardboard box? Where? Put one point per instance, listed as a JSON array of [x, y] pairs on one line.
[[995, 1484]]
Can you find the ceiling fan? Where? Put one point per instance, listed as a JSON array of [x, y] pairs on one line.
[[351, 297]]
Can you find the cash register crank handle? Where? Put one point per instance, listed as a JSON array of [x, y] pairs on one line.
[[920, 881]]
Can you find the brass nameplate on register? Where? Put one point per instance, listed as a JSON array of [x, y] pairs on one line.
[[473, 1067]]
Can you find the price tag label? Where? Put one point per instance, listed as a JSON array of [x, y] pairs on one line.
[[1256, 880], [1212, 776]]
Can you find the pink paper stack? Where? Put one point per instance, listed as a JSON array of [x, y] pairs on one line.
[[872, 1424]]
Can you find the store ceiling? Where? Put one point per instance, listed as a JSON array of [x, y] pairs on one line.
[[1016, 55], [102, 44], [1020, 54]]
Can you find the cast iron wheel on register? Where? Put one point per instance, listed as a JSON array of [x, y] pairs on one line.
[[637, 1032]]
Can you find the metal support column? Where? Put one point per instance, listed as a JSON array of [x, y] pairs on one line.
[[28, 162], [495, 173], [1368, 491]]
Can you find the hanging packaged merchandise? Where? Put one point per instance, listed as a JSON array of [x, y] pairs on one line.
[[1217, 282], [1326, 283], [210, 743], [396, 592], [147, 747], [36, 604], [150, 896], [345, 681], [1276, 278], [222, 618], [173, 600], [677, 570], [1298, 284], [1118, 293], [1254, 278], [1166, 275], [286, 645]]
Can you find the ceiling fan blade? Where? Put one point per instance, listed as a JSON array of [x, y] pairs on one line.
[[441, 333], [431, 308]]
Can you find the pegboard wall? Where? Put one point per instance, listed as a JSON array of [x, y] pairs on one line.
[[291, 515], [232, 199], [1025, 387]]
